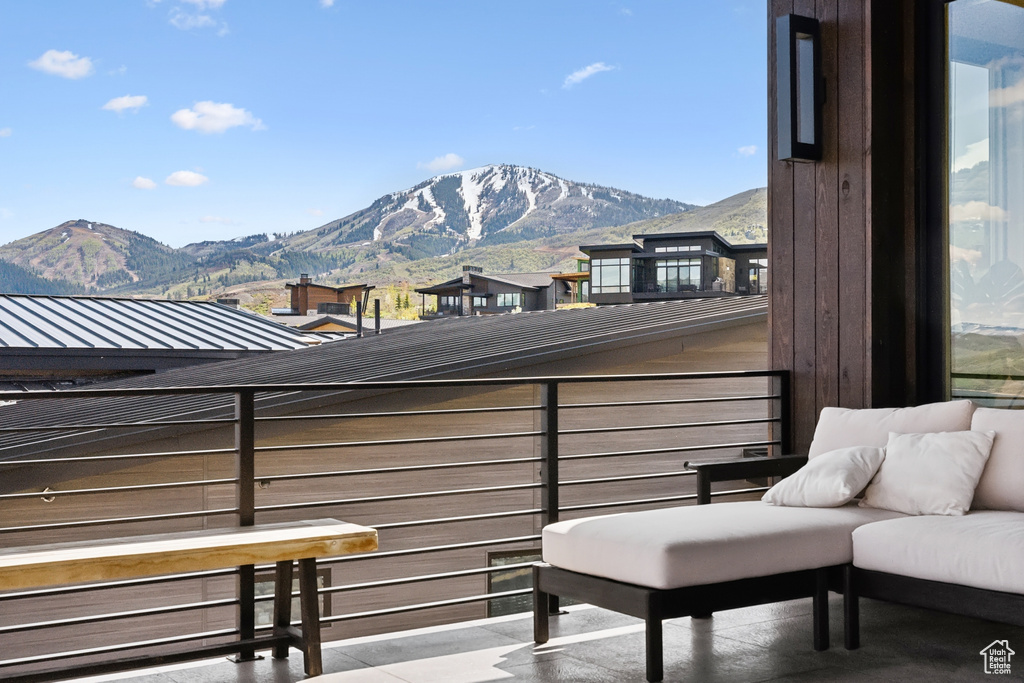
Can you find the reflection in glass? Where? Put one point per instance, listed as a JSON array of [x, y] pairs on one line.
[[986, 198]]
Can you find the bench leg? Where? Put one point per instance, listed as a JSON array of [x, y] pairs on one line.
[[541, 602], [820, 610], [282, 604], [851, 610], [655, 653], [310, 605]]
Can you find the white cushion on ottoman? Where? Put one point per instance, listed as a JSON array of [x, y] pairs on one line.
[[983, 549], [845, 427], [702, 544]]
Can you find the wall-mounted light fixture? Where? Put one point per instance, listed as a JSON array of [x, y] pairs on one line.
[[800, 89]]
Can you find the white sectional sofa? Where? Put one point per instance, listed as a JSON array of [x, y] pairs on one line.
[[692, 561]]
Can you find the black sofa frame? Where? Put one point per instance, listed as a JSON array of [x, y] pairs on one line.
[[1007, 608], [854, 583]]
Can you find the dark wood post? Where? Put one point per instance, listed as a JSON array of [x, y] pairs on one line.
[[549, 463], [245, 471]]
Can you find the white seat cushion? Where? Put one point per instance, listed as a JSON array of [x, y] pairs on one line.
[[1002, 483], [982, 549], [845, 427], [696, 545]]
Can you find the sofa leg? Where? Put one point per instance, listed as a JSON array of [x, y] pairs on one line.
[[541, 601], [655, 665], [851, 610], [820, 610]]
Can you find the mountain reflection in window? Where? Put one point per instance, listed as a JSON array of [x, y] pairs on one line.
[[986, 200]]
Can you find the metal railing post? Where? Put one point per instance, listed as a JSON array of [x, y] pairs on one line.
[[549, 463], [245, 471]]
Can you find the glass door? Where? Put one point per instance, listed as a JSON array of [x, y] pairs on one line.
[[986, 200]]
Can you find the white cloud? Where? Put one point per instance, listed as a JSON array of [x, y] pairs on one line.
[[1005, 97], [315, 212], [120, 104], [326, 3], [217, 219], [187, 22], [143, 183], [119, 71], [186, 179], [65, 64], [5, 213], [748, 150], [5, 132], [215, 117], [976, 211], [445, 163], [188, 19], [974, 154], [585, 73], [206, 4]]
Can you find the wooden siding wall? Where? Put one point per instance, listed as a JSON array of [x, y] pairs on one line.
[[840, 229]]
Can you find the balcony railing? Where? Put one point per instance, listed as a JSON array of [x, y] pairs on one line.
[[457, 476]]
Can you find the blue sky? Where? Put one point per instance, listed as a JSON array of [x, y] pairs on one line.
[[188, 120]]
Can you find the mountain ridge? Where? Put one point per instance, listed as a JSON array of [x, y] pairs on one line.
[[508, 217]]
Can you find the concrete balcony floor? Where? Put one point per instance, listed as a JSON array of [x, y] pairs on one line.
[[588, 645]]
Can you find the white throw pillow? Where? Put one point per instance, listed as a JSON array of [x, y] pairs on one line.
[[1001, 486], [929, 474], [846, 427], [829, 480]]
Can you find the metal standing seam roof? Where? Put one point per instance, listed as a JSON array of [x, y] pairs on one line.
[[108, 323], [464, 346]]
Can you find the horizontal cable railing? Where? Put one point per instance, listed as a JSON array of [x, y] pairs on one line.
[[457, 476]]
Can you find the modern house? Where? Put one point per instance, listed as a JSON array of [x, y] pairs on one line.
[[341, 323], [477, 294], [306, 297], [578, 281], [72, 339], [675, 266]]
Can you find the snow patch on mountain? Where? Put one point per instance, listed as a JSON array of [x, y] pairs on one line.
[[471, 188], [564, 187], [531, 196]]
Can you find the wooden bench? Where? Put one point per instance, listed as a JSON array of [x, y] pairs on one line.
[[191, 551]]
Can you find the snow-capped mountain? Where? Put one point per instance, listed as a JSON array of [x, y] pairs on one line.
[[488, 205]]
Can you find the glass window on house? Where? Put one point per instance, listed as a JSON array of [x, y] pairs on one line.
[[479, 301], [450, 303], [609, 275], [986, 200], [510, 299], [758, 277], [678, 275]]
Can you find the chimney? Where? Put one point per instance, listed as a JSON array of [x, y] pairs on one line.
[[233, 303], [304, 279], [467, 272]]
